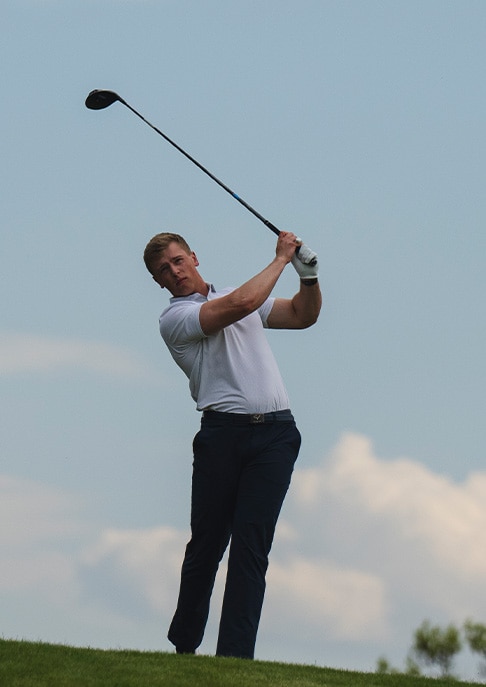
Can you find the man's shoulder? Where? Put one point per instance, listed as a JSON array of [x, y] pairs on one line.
[[179, 302], [218, 293]]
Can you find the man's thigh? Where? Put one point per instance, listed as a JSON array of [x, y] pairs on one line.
[[216, 470], [266, 475]]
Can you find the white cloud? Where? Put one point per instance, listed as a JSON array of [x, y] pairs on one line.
[[347, 603], [39, 525], [418, 530], [366, 549], [421, 507], [28, 353], [145, 559]]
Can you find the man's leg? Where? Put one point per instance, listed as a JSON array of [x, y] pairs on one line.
[[263, 484], [214, 482]]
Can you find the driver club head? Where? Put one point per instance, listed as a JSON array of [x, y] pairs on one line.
[[99, 99]]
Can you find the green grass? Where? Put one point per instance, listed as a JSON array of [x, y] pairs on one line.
[[35, 664]]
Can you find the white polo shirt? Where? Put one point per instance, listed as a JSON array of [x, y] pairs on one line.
[[232, 371]]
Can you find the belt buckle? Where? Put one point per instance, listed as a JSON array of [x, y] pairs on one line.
[[257, 419]]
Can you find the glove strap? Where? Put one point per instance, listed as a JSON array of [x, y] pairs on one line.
[[309, 281]]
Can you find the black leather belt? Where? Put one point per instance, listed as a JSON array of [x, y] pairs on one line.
[[215, 417]]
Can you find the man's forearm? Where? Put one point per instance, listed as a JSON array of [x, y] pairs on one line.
[[218, 313], [307, 302], [256, 290]]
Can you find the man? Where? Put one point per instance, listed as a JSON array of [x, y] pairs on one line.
[[245, 451]]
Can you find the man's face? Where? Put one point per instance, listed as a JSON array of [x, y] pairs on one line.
[[175, 270]]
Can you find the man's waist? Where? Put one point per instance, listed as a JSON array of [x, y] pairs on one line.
[[216, 417]]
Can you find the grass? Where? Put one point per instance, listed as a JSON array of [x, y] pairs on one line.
[[35, 664]]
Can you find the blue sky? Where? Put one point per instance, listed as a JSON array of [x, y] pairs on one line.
[[358, 125]]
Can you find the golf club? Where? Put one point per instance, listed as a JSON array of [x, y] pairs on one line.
[[99, 99]]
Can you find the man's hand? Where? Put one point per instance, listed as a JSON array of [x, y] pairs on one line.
[[287, 243], [305, 263]]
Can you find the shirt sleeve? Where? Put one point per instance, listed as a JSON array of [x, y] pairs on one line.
[[179, 324], [265, 309]]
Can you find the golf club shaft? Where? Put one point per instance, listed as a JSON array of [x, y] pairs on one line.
[[267, 223]]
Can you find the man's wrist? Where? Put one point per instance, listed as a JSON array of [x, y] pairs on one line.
[[309, 281]]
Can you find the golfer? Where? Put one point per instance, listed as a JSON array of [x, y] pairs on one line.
[[245, 450]]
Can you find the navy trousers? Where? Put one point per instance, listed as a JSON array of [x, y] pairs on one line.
[[241, 473]]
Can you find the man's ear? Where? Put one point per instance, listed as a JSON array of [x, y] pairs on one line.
[[195, 260]]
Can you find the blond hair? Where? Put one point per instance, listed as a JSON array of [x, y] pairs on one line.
[[158, 244]]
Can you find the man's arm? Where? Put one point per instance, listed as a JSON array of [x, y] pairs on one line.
[[221, 312], [303, 309], [299, 312]]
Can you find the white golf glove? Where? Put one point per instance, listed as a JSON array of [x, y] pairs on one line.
[[305, 262]]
